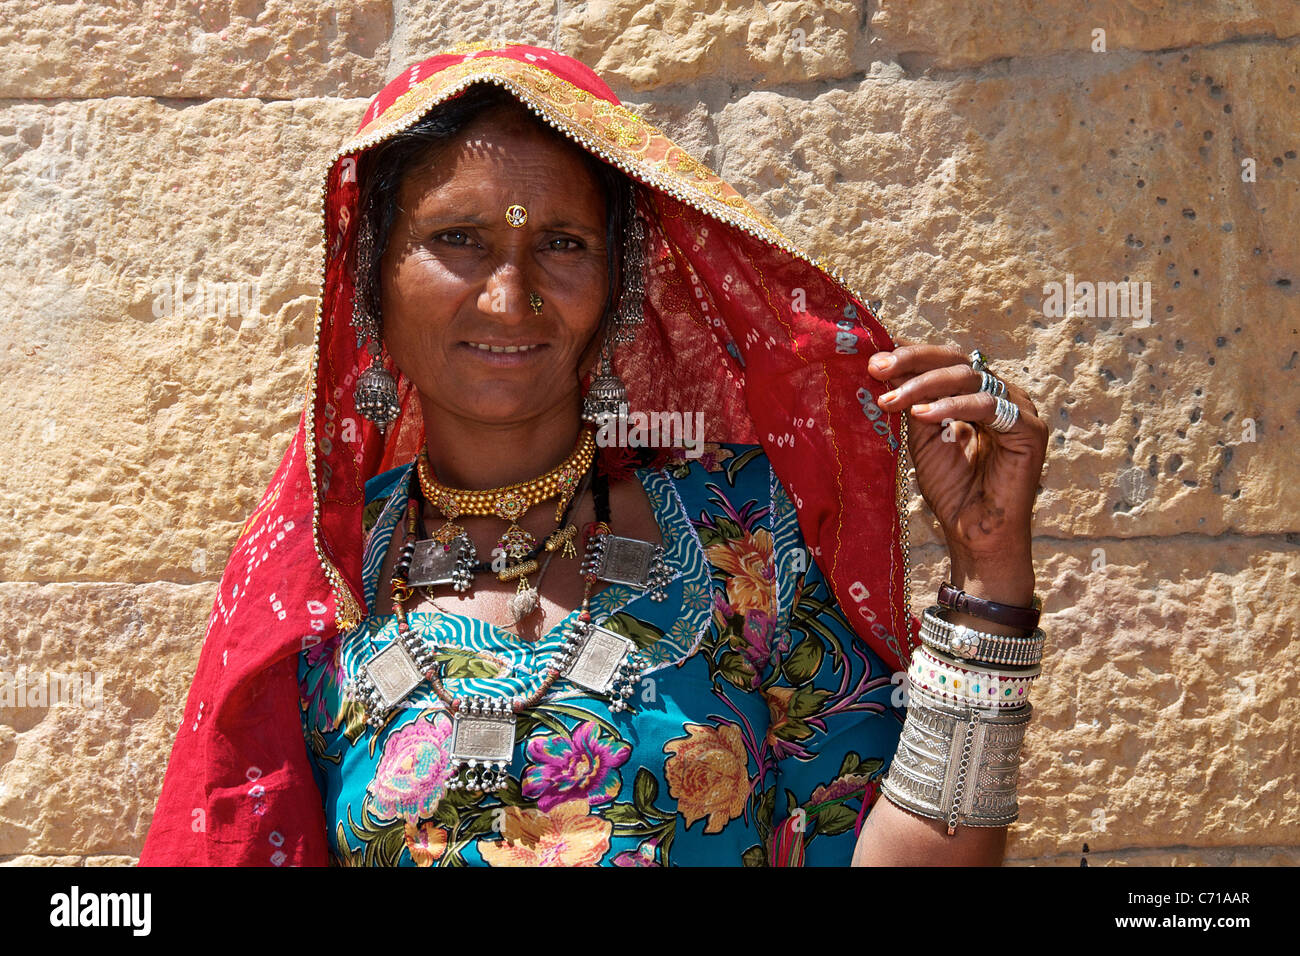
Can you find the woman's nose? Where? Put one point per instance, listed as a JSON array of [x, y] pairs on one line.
[[505, 293]]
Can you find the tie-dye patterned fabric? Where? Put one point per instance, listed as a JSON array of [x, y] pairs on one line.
[[757, 734], [761, 336]]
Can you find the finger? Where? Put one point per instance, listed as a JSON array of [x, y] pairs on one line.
[[954, 380], [929, 386], [916, 363], [908, 360], [978, 408]]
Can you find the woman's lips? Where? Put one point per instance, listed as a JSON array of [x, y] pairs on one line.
[[504, 354], [484, 347]]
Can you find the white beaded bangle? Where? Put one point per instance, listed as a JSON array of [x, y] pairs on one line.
[[981, 688]]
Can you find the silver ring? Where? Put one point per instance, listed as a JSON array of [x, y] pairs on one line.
[[979, 361], [992, 384], [1008, 413]]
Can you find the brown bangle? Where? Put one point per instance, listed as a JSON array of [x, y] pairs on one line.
[[1008, 614]]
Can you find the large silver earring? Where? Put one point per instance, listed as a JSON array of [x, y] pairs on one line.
[[376, 391], [375, 394], [608, 394]]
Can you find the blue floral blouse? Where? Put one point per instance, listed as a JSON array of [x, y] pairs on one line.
[[757, 735]]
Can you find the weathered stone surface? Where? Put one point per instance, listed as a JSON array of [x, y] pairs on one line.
[[80, 774], [145, 425], [1168, 711], [1180, 856], [29, 859], [280, 48], [645, 45], [939, 33], [422, 28], [958, 202]]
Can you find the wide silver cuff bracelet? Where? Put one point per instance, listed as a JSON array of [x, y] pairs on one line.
[[956, 762], [966, 643]]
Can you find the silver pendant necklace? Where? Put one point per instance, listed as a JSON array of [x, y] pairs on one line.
[[591, 657]]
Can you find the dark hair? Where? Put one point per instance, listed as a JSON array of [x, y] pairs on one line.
[[382, 171]]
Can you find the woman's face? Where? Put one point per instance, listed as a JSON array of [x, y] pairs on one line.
[[456, 276]]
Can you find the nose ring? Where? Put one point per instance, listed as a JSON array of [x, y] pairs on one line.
[[535, 301]]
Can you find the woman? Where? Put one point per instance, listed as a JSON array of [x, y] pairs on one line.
[[483, 615]]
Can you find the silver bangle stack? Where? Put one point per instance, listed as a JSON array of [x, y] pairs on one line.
[[957, 762], [958, 758], [962, 642]]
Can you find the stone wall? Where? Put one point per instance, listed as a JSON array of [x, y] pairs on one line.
[[954, 158]]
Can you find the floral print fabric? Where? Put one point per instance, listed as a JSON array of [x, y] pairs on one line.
[[758, 733]]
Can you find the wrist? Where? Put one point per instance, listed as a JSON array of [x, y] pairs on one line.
[[1007, 579], [1004, 583]]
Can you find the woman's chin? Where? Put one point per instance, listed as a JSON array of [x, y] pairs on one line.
[[500, 406]]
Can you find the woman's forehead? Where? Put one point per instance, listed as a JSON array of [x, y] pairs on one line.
[[501, 164]]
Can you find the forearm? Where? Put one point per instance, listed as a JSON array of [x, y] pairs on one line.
[[892, 836]]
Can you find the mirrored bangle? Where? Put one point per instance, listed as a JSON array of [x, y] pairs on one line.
[[962, 642], [958, 763], [970, 684]]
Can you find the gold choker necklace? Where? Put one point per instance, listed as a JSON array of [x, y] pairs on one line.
[[511, 502]]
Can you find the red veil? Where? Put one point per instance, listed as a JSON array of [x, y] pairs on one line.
[[768, 343]]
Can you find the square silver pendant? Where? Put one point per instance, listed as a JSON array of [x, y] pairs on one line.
[[431, 564], [483, 737], [393, 673], [597, 659], [626, 561]]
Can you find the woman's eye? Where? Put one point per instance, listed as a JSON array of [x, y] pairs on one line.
[[455, 237], [560, 244]]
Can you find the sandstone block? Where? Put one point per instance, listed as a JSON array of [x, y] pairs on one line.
[[165, 48], [158, 282], [1166, 714], [93, 680], [956, 36], [649, 45]]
